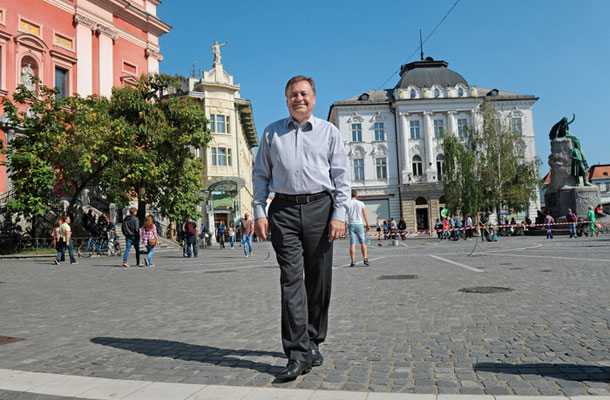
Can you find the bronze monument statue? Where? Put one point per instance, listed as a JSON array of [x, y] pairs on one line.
[[560, 129]]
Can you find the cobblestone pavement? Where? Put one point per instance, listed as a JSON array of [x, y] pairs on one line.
[[401, 325]]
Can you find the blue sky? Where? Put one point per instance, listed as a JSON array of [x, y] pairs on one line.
[[557, 50]]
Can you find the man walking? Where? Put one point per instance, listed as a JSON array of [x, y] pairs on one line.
[[355, 214], [131, 231], [302, 160], [248, 227], [190, 237], [65, 234], [571, 220]]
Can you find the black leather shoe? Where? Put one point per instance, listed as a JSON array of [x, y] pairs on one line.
[[316, 358], [294, 369]]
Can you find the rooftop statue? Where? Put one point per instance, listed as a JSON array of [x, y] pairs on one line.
[[216, 50]]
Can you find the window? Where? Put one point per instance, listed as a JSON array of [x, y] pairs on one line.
[[462, 128], [228, 124], [439, 129], [440, 166], [437, 93], [61, 83], [214, 162], [460, 92], [515, 124], [379, 131], [358, 169], [212, 123], [417, 166], [414, 129], [382, 170], [229, 157], [602, 187], [356, 132], [222, 156], [220, 124], [412, 93]]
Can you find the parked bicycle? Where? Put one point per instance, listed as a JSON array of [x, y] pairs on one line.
[[99, 245]]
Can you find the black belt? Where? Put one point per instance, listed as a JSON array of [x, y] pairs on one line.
[[302, 198]]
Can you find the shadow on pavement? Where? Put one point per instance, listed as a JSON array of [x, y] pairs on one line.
[[571, 372], [192, 352]]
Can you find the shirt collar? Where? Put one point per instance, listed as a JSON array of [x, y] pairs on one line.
[[292, 122]]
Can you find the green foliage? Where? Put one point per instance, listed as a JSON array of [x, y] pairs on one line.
[[487, 170], [137, 144], [62, 144], [157, 164]]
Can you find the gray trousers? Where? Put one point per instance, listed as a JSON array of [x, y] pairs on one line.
[[299, 234]]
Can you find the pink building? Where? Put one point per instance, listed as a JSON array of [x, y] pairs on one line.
[[79, 46]]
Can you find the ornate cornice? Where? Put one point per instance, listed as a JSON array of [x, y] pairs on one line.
[[98, 28], [81, 19], [105, 30], [154, 53]]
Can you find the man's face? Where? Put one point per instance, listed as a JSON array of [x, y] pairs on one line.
[[300, 100], [246, 216], [67, 220]]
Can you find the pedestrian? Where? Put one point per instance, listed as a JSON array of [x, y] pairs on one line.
[[302, 160], [599, 211], [457, 224], [378, 230], [65, 241], [356, 213], [592, 219], [232, 235], [248, 229], [220, 233], [438, 227], [131, 231], [469, 227], [571, 220], [190, 237], [486, 233], [57, 239], [402, 228], [150, 238], [548, 221]]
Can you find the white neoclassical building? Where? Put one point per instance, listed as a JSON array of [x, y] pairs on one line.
[[394, 137]]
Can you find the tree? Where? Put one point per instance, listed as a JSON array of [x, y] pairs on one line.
[[62, 144], [487, 170], [157, 164]]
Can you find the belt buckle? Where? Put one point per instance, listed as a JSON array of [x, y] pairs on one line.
[[301, 199]]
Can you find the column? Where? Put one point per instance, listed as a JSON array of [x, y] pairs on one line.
[[406, 158], [430, 164], [106, 65], [84, 54], [452, 123]]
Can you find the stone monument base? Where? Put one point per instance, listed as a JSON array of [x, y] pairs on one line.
[[578, 198]]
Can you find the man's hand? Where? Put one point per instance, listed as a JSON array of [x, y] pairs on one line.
[[261, 226], [336, 230]]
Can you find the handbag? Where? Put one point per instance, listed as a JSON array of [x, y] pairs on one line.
[[153, 242]]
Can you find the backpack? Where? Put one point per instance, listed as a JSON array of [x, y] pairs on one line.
[[191, 228]]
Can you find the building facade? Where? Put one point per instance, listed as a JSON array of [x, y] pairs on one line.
[[229, 157], [599, 175], [79, 46], [394, 137]]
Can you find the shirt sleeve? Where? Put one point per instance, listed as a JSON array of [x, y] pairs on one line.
[[339, 175], [261, 176]]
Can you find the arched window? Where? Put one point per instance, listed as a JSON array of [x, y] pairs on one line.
[[417, 166], [437, 93], [440, 166], [413, 93], [421, 201], [460, 92]]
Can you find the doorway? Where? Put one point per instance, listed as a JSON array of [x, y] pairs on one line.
[[422, 219]]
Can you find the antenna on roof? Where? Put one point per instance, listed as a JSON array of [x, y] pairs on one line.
[[193, 71], [421, 47]]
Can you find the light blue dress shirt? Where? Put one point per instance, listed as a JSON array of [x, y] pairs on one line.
[[304, 159]]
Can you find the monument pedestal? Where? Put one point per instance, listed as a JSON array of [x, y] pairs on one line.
[[578, 198]]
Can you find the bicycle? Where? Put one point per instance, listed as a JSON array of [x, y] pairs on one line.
[[98, 245]]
